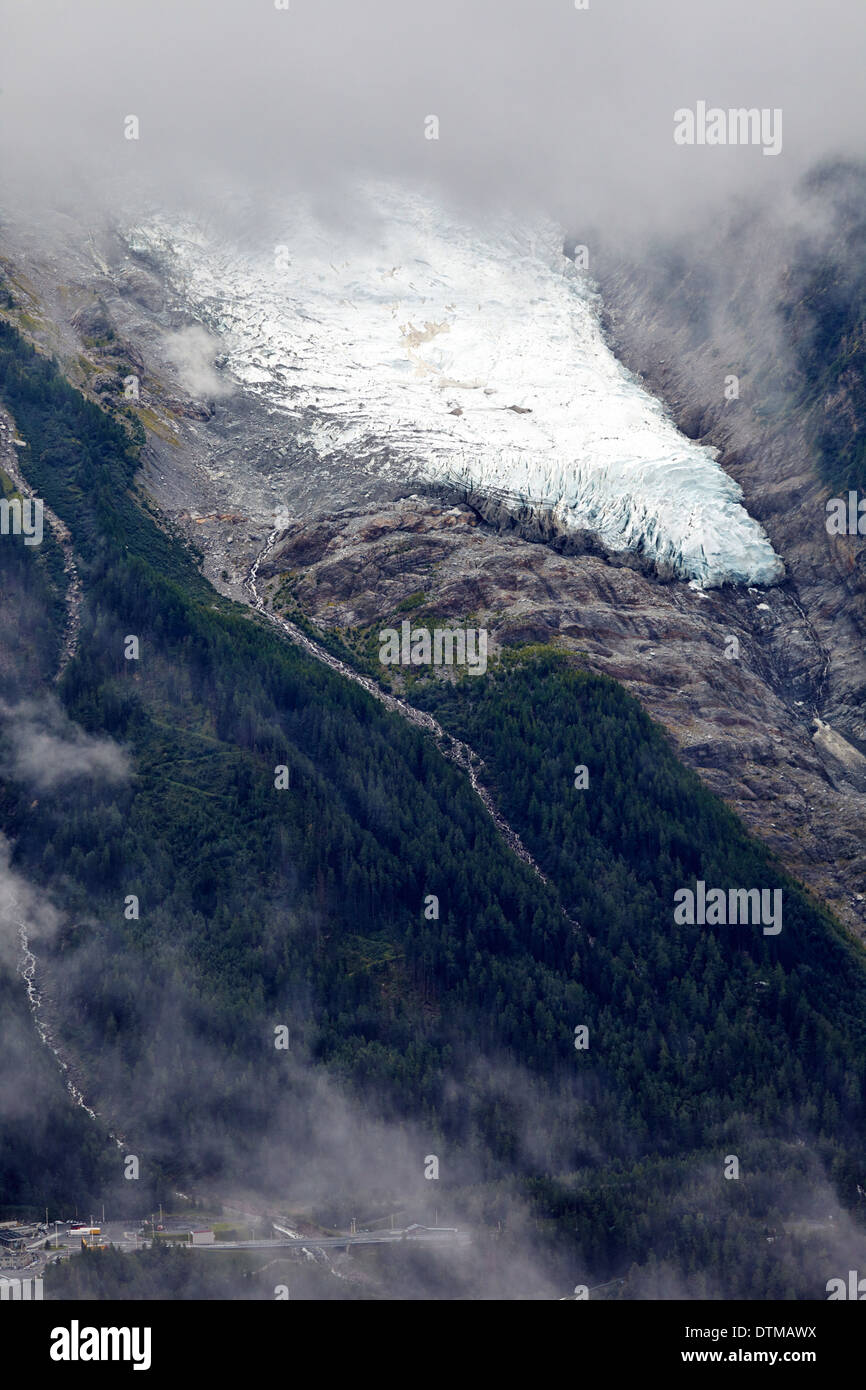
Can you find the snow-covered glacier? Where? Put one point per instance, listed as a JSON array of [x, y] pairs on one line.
[[468, 351]]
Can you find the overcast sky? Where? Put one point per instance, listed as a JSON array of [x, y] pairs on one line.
[[538, 102]]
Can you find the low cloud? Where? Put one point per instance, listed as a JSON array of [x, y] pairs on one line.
[[45, 749], [192, 351], [20, 905]]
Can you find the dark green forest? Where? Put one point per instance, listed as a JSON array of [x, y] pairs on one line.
[[305, 906], [168, 1272]]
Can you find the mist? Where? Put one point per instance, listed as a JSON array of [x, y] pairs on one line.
[[542, 107], [45, 748], [230, 111]]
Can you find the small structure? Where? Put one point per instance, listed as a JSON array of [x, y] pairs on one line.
[[201, 1237]]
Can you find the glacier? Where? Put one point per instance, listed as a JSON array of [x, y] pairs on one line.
[[467, 351]]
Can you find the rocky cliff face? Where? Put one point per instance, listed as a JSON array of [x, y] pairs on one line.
[[748, 304]]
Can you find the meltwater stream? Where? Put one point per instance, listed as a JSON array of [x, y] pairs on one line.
[[27, 971], [450, 747]]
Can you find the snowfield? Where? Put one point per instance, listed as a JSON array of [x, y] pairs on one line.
[[420, 343]]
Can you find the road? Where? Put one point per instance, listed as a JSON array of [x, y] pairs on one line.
[[120, 1235], [416, 1235]]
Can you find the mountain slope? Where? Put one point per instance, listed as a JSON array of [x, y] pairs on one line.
[[411, 1034]]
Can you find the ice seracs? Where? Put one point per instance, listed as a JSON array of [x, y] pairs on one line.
[[425, 344]]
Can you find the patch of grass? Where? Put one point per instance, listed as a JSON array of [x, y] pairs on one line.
[[153, 422], [412, 601]]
